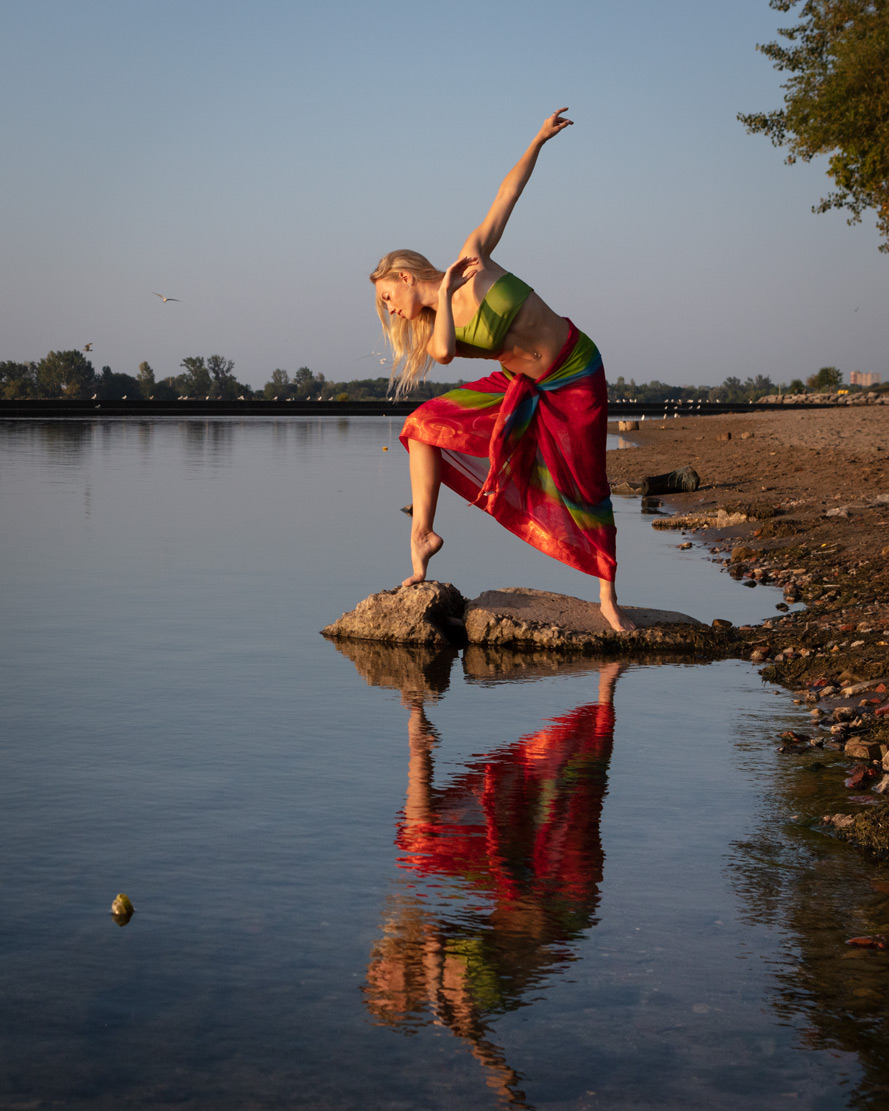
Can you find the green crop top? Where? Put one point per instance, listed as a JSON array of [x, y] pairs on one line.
[[488, 328]]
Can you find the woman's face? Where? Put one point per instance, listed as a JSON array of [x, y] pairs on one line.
[[400, 296]]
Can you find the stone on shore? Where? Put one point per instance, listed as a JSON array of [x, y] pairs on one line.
[[436, 614]]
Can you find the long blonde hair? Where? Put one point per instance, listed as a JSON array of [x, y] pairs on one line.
[[407, 338]]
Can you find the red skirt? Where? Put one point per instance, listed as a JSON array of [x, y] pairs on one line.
[[532, 453]]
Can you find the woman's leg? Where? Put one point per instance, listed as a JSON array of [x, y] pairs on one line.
[[425, 464], [611, 611]]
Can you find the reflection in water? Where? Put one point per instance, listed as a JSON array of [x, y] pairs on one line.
[[821, 893], [505, 860]]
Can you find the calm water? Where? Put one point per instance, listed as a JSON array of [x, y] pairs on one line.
[[368, 877]]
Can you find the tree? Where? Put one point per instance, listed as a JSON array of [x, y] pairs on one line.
[[826, 380], [112, 387], [195, 381], [17, 380], [836, 100], [797, 386], [731, 390], [278, 386], [146, 380], [760, 386], [65, 374], [302, 383], [225, 385]]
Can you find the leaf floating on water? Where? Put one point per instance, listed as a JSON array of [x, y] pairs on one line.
[[878, 941], [122, 909]]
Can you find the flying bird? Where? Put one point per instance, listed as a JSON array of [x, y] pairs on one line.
[[165, 299], [87, 347]]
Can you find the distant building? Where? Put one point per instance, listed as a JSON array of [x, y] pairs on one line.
[[858, 378]]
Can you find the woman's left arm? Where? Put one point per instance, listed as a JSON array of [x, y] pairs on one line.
[[487, 235]]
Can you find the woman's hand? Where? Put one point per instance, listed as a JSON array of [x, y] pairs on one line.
[[442, 345], [553, 125], [459, 273]]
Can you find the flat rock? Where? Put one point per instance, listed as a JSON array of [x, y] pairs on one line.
[[436, 615], [421, 614], [535, 619]]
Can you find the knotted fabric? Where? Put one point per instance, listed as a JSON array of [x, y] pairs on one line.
[[531, 453]]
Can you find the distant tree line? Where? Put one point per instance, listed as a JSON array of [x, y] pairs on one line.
[[70, 374], [827, 380]]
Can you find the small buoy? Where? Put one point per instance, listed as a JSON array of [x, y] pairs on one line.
[[122, 909], [385, 449]]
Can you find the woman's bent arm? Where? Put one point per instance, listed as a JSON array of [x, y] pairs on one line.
[[487, 235], [443, 344]]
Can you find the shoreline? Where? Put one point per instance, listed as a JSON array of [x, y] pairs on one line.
[[805, 505]]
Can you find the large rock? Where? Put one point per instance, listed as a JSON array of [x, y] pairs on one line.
[[428, 613], [436, 614], [538, 619]]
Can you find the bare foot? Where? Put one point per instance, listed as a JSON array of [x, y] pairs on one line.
[[423, 548], [615, 617]]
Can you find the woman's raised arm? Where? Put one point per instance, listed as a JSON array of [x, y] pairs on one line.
[[487, 235]]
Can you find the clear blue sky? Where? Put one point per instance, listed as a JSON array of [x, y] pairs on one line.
[[255, 160]]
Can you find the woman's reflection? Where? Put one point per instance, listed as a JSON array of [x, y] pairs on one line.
[[505, 862]]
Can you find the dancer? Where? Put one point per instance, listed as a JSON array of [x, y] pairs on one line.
[[527, 443]]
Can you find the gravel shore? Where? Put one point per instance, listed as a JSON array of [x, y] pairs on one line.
[[804, 496]]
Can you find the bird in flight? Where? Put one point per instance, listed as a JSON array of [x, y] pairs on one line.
[[165, 299], [87, 347]]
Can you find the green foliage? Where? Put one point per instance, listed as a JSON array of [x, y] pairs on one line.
[[145, 379], [836, 100], [826, 380], [212, 378], [195, 382], [278, 386], [64, 374], [112, 387], [18, 380], [797, 386]]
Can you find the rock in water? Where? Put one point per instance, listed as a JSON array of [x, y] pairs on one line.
[[428, 613], [536, 619], [436, 614]]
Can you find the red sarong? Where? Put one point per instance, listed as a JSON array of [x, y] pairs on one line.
[[532, 453]]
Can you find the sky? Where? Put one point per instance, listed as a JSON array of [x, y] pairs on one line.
[[255, 160]]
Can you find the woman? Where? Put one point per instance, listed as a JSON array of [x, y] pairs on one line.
[[527, 443]]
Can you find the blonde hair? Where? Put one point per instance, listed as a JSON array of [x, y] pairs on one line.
[[407, 338]]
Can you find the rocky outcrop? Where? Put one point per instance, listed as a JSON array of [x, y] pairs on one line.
[[436, 615]]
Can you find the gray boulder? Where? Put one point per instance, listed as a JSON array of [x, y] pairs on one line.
[[428, 613]]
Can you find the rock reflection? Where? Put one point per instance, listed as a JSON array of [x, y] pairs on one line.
[[503, 864]]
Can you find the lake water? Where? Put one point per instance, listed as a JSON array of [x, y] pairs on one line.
[[374, 878]]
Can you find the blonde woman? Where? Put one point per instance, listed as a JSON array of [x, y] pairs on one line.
[[526, 443]]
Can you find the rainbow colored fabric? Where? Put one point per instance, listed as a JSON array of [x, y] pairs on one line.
[[532, 453]]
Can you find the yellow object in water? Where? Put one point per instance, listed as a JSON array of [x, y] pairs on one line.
[[385, 449], [122, 907]]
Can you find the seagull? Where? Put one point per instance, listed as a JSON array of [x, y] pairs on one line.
[[165, 299], [87, 347]]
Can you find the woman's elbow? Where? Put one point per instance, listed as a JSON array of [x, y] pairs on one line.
[[442, 356]]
